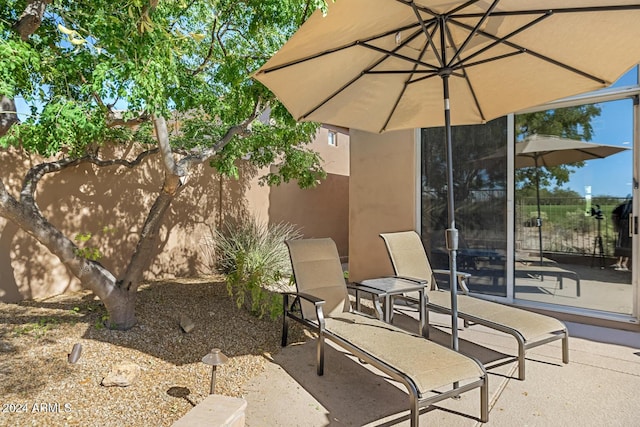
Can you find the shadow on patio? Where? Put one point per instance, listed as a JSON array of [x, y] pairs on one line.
[[598, 387]]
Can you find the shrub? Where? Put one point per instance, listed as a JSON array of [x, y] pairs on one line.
[[255, 260]]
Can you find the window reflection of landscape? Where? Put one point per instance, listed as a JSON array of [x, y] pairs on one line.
[[480, 180]]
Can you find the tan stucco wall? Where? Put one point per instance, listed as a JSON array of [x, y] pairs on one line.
[[321, 212], [85, 199], [336, 158], [382, 197]]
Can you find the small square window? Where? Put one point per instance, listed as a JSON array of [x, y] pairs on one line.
[[332, 138]]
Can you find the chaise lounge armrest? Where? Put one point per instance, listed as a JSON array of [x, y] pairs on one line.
[[311, 298], [462, 278], [287, 312]]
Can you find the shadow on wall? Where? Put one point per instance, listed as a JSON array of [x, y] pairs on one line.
[[111, 204]]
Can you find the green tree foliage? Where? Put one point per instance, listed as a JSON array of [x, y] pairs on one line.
[[114, 72], [571, 122], [191, 60]]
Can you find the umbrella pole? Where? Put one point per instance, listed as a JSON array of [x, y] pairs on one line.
[[451, 234], [539, 219]]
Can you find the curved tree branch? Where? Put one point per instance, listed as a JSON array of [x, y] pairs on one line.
[[175, 173], [114, 119], [210, 52], [29, 218], [239, 129], [35, 174]]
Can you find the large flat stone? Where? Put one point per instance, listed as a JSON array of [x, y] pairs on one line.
[[215, 411]]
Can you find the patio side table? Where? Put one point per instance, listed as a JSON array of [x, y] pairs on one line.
[[386, 288]]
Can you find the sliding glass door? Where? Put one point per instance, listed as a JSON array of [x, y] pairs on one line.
[[586, 211], [579, 254]]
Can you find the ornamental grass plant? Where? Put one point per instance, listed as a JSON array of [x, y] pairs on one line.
[[255, 261]]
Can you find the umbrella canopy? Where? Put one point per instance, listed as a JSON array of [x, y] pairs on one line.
[[380, 65], [374, 65], [544, 150]]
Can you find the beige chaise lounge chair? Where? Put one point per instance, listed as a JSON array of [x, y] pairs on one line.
[[410, 260], [428, 370]]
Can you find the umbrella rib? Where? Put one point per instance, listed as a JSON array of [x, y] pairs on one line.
[[503, 39], [536, 54], [421, 29], [430, 72], [586, 9], [404, 88], [339, 48], [308, 58], [471, 34], [464, 6], [330, 97], [465, 76], [434, 74], [484, 61], [589, 153], [435, 14], [397, 55], [367, 71], [393, 109], [428, 35]]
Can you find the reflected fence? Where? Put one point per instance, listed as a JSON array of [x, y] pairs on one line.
[[569, 225]]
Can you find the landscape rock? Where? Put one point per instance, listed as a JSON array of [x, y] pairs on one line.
[[186, 324], [122, 375]]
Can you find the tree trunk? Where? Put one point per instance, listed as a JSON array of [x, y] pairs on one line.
[[148, 243], [118, 296], [121, 308], [92, 275]]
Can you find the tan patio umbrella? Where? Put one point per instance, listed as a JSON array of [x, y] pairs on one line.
[[545, 150], [379, 65]]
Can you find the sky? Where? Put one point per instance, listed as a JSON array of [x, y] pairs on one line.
[[613, 175]]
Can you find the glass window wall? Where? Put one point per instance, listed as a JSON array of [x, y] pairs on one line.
[[480, 180]]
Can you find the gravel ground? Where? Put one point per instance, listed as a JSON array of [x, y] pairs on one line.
[[39, 387]]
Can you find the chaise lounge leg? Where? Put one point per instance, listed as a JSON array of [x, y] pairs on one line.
[[415, 409], [521, 354], [285, 323], [484, 400], [565, 348], [320, 355], [426, 323]]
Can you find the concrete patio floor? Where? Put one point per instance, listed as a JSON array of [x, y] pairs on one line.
[[600, 386]]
